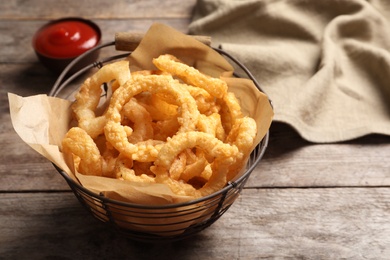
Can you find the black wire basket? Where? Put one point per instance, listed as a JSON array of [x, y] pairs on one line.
[[154, 223]]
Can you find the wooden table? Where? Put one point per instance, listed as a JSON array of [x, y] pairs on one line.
[[305, 201]]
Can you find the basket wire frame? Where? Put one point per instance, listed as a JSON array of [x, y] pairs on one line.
[[157, 223]]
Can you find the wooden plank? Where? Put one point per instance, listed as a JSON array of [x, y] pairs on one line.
[[16, 44], [265, 222], [100, 9], [349, 223], [22, 169], [290, 161]]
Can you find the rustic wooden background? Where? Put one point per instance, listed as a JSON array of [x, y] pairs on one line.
[[304, 201]]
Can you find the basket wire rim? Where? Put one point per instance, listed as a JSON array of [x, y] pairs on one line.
[[62, 82]]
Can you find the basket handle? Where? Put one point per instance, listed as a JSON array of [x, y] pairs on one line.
[[128, 41]]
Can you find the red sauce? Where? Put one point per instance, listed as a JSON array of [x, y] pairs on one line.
[[65, 39]]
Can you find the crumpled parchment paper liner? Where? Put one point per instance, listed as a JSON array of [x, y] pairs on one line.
[[36, 118]]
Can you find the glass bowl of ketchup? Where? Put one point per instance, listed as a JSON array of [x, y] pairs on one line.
[[59, 42]]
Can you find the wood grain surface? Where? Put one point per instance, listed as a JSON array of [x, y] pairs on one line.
[[322, 223], [303, 201]]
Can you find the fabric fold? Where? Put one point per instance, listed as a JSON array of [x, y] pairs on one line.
[[324, 64]]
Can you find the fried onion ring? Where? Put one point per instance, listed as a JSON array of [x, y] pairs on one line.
[[224, 154], [141, 119], [170, 64], [242, 136], [124, 170], [78, 142], [116, 133], [88, 97]]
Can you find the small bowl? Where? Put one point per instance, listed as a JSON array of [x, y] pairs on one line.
[[59, 42]]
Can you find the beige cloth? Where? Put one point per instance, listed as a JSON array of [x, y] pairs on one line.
[[324, 64]]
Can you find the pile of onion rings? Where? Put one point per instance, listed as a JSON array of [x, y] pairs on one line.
[[174, 126]]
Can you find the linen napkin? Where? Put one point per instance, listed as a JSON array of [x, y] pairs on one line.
[[324, 64]]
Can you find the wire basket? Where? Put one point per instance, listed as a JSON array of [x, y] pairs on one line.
[[158, 223]]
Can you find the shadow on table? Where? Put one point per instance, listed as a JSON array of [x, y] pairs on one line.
[[61, 229], [29, 79], [285, 139]]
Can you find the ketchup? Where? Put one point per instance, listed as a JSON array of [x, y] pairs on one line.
[[65, 39]]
